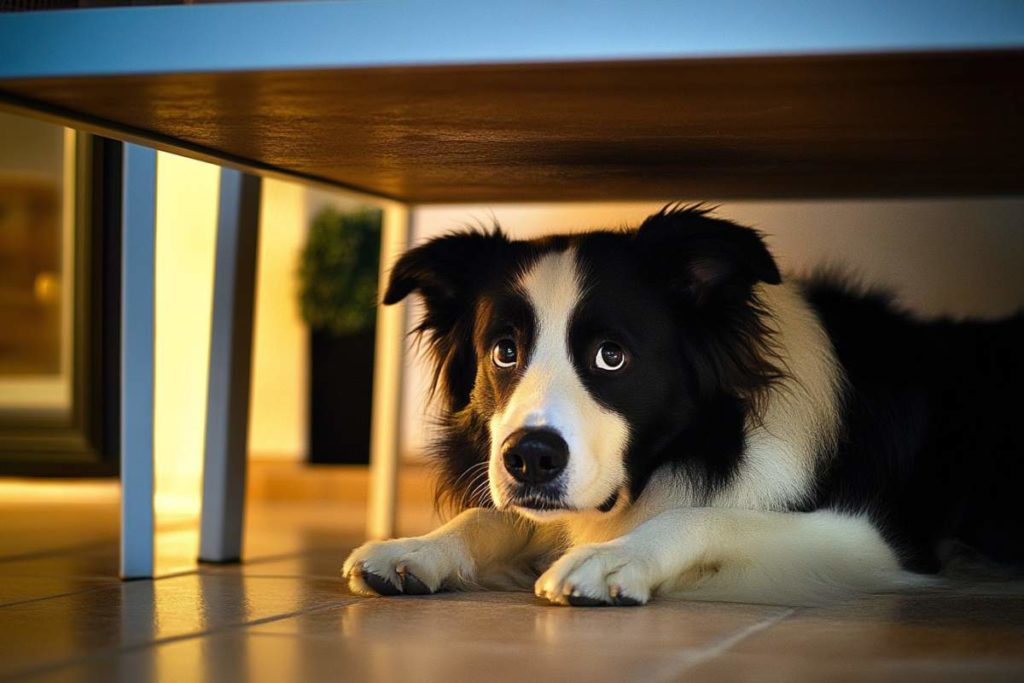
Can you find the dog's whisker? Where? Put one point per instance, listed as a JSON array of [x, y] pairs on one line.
[[476, 496], [471, 470]]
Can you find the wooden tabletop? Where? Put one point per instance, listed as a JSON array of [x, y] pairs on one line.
[[451, 102]]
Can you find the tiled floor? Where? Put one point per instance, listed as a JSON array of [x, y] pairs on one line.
[[286, 616]]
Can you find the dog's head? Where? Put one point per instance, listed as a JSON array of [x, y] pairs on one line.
[[568, 365]]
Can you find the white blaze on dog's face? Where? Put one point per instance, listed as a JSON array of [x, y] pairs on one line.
[[571, 368], [550, 399]]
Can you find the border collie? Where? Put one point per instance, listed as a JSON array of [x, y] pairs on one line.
[[655, 412]]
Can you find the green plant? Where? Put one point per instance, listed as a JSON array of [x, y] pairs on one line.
[[338, 271]]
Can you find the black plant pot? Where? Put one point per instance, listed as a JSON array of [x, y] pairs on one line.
[[341, 389]]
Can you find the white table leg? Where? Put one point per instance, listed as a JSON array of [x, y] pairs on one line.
[[227, 408], [387, 383], [138, 262]]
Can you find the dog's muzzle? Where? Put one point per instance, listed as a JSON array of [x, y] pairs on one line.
[[535, 456]]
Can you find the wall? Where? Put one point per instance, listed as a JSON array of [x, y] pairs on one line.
[[279, 407], [960, 257], [956, 257], [277, 425], [31, 147], [186, 216], [186, 230]]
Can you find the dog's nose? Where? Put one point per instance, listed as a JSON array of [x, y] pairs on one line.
[[535, 456]]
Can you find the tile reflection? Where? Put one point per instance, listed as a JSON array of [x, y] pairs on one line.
[[96, 624], [443, 637]]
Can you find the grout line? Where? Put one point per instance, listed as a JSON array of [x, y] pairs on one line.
[[110, 582], [265, 559], [26, 601], [56, 552], [80, 548], [295, 577], [723, 645], [121, 651]]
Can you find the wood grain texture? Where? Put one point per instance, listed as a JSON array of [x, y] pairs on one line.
[[847, 125]]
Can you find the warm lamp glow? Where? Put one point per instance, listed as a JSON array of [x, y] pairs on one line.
[[186, 219]]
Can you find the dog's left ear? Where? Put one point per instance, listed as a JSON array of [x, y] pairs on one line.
[[704, 258]]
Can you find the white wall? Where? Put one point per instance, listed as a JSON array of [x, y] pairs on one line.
[[956, 257]]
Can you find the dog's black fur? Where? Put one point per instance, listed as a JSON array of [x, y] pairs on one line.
[[930, 446]]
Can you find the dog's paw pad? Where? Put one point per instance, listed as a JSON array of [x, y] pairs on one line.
[[407, 566], [596, 575], [626, 601], [379, 584], [585, 601], [413, 586]]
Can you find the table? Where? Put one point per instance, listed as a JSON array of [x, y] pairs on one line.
[[422, 102]]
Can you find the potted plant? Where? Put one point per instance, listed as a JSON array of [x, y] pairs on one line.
[[338, 299]]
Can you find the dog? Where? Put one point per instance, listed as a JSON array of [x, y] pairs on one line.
[[654, 411]]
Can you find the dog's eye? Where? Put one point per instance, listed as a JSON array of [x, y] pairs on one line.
[[610, 357], [504, 353]]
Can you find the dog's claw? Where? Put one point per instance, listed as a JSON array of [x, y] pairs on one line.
[[379, 584]]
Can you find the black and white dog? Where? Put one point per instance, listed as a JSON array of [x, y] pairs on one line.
[[654, 412]]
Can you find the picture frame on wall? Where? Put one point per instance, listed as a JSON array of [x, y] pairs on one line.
[[59, 302]]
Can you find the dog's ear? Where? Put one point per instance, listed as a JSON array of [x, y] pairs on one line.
[[704, 258], [448, 272], [710, 267]]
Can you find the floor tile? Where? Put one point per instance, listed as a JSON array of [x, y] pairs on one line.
[[522, 618], [324, 564], [941, 626], [515, 636], [431, 640], [19, 589], [90, 562], [285, 614], [957, 634], [784, 667], [42, 633]]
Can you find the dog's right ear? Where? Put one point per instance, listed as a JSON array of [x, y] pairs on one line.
[[445, 269], [448, 272]]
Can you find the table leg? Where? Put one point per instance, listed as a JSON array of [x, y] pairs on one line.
[[227, 408], [138, 258], [387, 383]]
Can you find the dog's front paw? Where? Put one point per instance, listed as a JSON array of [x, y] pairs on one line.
[[409, 566], [597, 575]]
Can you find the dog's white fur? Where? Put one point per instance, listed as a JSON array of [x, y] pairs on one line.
[[740, 546], [801, 413], [550, 394]]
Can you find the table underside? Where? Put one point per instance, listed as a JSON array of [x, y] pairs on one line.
[[908, 124]]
